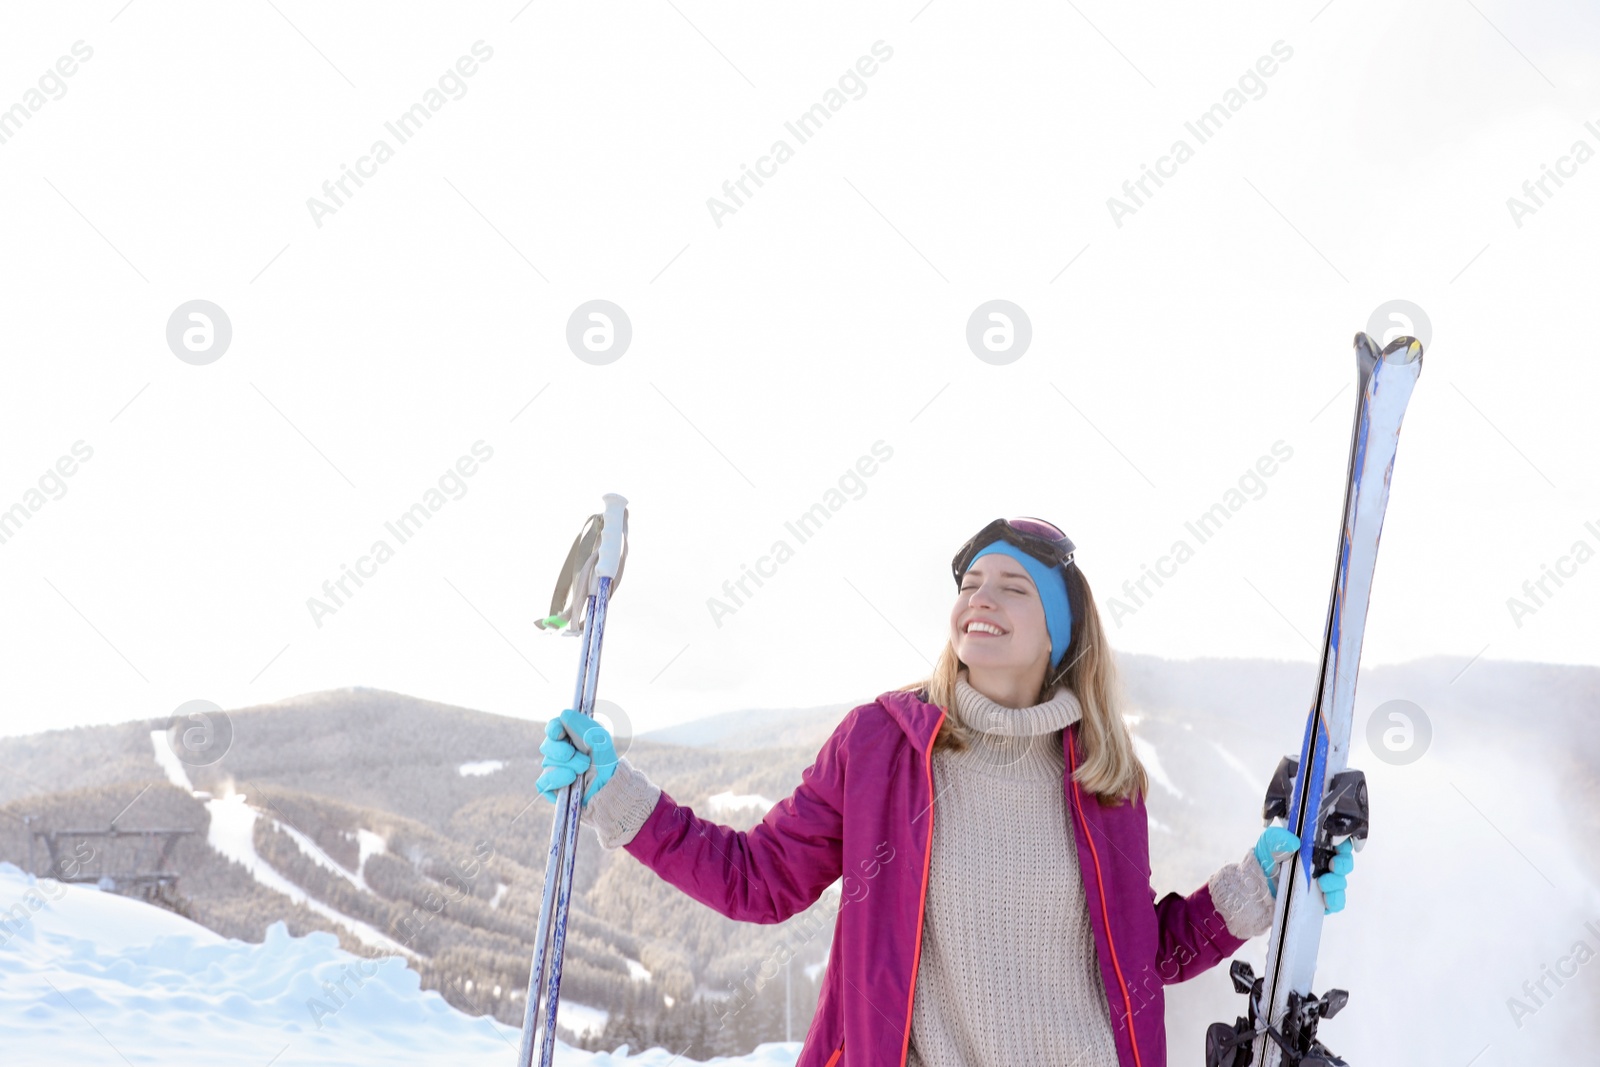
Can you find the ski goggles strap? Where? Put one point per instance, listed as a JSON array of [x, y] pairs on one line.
[[576, 581], [1041, 540]]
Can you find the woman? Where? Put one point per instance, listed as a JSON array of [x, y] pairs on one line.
[[981, 929]]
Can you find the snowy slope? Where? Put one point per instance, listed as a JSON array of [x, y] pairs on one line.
[[726, 803], [754, 728], [93, 978], [232, 833]]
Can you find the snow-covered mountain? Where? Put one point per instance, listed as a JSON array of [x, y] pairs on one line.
[[357, 811], [88, 977], [753, 729], [1472, 919]]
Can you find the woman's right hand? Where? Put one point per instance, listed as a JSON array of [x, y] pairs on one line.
[[1278, 843], [564, 761]]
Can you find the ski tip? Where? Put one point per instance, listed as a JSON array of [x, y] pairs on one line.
[[1402, 350]]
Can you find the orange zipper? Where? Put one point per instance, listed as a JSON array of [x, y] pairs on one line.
[[1104, 911], [922, 904]]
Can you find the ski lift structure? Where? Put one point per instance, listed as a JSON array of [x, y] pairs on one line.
[[133, 863]]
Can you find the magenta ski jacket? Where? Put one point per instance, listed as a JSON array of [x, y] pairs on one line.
[[863, 813]]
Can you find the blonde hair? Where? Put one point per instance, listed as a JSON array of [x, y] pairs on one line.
[[1108, 767]]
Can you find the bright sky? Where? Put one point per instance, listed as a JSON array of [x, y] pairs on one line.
[[378, 338]]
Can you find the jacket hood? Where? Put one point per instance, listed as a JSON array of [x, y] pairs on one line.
[[919, 719]]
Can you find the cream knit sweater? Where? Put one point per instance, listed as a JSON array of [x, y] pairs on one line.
[[1009, 974]]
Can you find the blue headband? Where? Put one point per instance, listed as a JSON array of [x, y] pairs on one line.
[[1052, 586]]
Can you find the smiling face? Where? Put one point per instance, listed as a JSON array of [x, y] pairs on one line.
[[996, 591]]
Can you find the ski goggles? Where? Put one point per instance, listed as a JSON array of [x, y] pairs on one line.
[[1039, 539]]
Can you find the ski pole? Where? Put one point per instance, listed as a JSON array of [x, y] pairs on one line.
[[553, 904], [591, 573]]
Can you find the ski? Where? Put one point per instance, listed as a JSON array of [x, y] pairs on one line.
[[1315, 796]]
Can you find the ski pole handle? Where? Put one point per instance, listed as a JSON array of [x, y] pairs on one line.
[[614, 526]]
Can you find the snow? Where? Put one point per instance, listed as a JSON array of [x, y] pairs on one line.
[[580, 1019], [232, 833], [93, 978], [313, 851], [169, 762], [157, 989], [1152, 763], [370, 844], [725, 802], [1256, 785]]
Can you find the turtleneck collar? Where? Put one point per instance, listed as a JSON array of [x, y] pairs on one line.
[[1014, 742]]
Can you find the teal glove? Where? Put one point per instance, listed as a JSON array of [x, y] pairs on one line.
[[1278, 843], [1332, 883], [564, 762]]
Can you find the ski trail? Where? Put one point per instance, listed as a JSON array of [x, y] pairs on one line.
[[371, 844], [1255, 784], [232, 834], [1152, 763], [169, 763], [315, 854]]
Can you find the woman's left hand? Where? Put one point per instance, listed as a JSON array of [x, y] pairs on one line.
[[1276, 843], [564, 762]]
